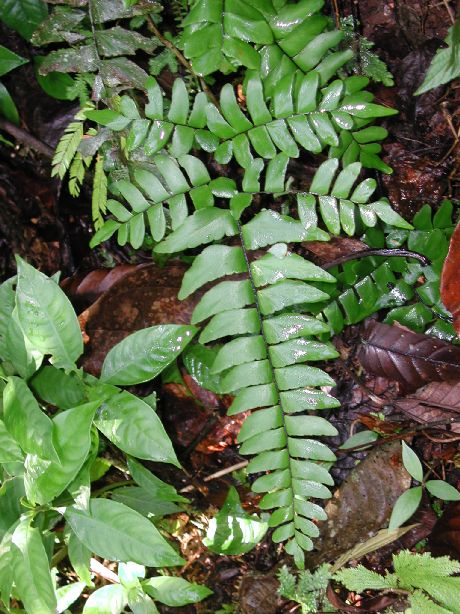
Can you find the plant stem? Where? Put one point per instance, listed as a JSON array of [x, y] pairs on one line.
[[26, 138], [181, 58], [388, 253]]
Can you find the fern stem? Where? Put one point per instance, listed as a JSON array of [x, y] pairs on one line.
[[377, 252], [181, 58], [267, 345]]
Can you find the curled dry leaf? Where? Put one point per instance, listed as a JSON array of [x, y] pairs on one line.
[[258, 593], [407, 357], [369, 604], [450, 279], [362, 505], [435, 402], [85, 288]]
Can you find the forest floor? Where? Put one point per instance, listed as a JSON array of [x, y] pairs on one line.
[[41, 222]]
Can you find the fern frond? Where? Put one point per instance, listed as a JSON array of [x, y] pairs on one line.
[[99, 196], [162, 189], [77, 172], [360, 578], [264, 365], [422, 604], [415, 569], [67, 148]]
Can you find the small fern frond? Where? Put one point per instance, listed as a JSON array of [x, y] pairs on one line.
[[360, 578], [99, 196], [77, 173], [415, 569], [67, 148]]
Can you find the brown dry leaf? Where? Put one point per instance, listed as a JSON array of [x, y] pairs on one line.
[[258, 594], [433, 403], [362, 505], [367, 604], [328, 251], [407, 357], [450, 279], [85, 288], [144, 297]]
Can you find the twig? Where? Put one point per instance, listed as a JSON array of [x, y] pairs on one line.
[[26, 138], [450, 11], [218, 474], [337, 14], [181, 58], [101, 571]]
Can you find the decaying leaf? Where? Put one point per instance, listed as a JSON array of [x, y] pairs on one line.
[[435, 402], [407, 357], [362, 505], [143, 297], [450, 279]]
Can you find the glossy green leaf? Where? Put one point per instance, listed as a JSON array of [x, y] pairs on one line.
[[153, 485], [269, 227], [23, 16], [442, 490], [68, 594], [79, 557], [411, 462], [204, 226], [26, 422], [54, 386], [45, 480], [250, 374], [297, 376], [405, 507], [9, 60], [445, 65], [9, 449], [291, 326], [145, 353], [271, 269], [252, 397], [133, 426], [232, 322], [233, 531], [286, 293], [239, 351], [47, 317], [222, 297], [108, 599], [31, 571], [175, 592], [115, 532], [301, 350]]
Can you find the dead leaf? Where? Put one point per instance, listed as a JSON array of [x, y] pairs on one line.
[[450, 279], [327, 251], [258, 593], [85, 288], [144, 297], [362, 505], [407, 357], [369, 604], [433, 403]]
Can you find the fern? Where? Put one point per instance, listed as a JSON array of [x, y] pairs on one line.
[[67, 147], [425, 579], [308, 589], [367, 62], [99, 197]]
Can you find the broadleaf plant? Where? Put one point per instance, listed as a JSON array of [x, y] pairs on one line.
[[54, 424]]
